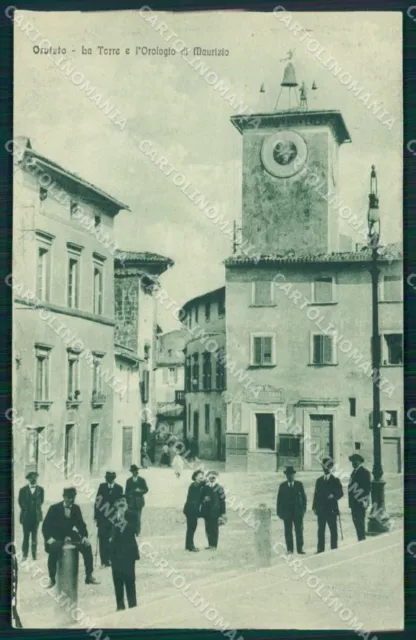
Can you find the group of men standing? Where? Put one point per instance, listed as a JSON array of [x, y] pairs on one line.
[[205, 499], [292, 503], [117, 515]]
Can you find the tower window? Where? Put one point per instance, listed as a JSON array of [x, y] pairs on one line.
[[353, 407]]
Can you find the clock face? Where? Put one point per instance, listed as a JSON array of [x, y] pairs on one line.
[[283, 154]]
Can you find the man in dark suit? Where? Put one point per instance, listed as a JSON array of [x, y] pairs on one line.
[[328, 490], [58, 527], [291, 507], [192, 509], [31, 499], [123, 554], [213, 508], [359, 489], [104, 511], [136, 488]]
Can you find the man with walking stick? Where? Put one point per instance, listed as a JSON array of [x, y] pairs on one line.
[[328, 490]]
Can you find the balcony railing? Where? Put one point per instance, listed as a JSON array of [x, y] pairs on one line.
[[98, 399]]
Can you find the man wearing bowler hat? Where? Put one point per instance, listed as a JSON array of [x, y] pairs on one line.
[[104, 512], [31, 499], [64, 523], [136, 488], [291, 507], [359, 489], [328, 490]]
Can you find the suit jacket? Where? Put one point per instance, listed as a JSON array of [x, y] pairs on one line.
[[215, 506], [28, 509], [104, 501], [322, 504], [359, 488], [57, 525], [123, 545], [291, 502], [135, 492], [192, 506]]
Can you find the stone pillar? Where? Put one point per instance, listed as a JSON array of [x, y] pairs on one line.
[[262, 536]]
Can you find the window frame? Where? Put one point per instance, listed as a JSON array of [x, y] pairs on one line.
[[73, 356], [207, 418], [44, 241], [333, 350], [73, 254], [221, 307], [262, 334], [272, 302], [384, 347], [98, 263], [42, 356], [333, 290], [383, 290]]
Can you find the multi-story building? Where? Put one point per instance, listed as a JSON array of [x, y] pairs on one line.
[[300, 312], [205, 379], [170, 381], [136, 276], [63, 315]]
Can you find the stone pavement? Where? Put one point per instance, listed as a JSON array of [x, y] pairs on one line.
[[164, 529], [366, 578]]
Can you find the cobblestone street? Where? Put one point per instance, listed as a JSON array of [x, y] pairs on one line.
[[163, 528]]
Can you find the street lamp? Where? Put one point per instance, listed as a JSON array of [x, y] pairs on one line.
[[378, 519]]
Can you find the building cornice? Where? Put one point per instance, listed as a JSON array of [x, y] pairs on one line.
[[73, 313]]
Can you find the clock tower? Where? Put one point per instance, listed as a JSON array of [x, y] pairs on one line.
[[290, 167]]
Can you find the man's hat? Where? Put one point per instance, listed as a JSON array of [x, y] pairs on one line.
[[134, 467], [289, 469], [110, 474], [69, 491], [31, 472], [328, 463], [122, 497], [356, 456], [213, 473], [195, 473]]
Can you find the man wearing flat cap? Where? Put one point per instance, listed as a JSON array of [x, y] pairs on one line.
[[64, 523], [359, 489], [213, 508], [328, 490], [291, 507], [31, 499], [104, 512], [136, 488]]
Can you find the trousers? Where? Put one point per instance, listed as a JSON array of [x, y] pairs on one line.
[[297, 524], [138, 520], [125, 578], [329, 519], [212, 531], [30, 531], [191, 525], [104, 535], [358, 518], [54, 551]]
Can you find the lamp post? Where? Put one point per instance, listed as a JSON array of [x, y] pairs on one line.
[[378, 519]]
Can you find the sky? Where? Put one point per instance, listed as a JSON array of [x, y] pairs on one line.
[[168, 103]]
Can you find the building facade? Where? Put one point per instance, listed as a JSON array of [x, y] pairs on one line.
[[136, 277], [63, 319], [127, 410], [205, 377], [299, 314], [170, 381]]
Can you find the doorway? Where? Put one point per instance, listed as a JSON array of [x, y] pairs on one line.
[[265, 431], [218, 438], [127, 447], [69, 456], [322, 437]]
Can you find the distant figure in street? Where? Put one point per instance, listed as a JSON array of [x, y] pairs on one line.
[[123, 554], [136, 488], [328, 490], [359, 489], [145, 460], [107, 494], [291, 508], [213, 508], [177, 465], [192, 509], [31, 499], [165, 457], [58, 527]]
